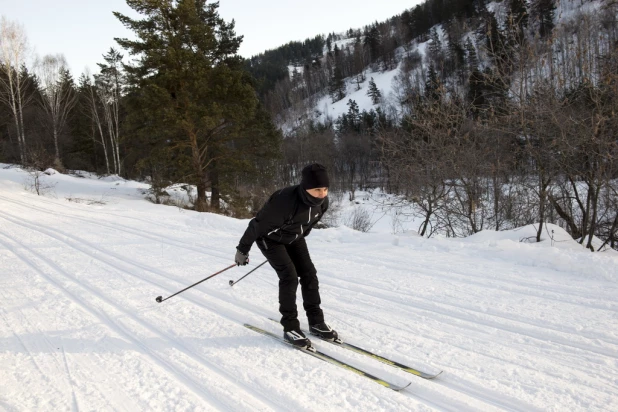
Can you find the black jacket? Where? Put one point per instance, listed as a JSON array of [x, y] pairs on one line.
[[283, 219]]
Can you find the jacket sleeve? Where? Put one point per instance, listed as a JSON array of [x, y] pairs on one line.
[[269, 218]]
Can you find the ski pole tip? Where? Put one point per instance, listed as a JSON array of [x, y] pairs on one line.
[[159, 299], [231, 283]]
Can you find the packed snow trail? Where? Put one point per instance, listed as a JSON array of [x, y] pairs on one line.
[[514, 326]]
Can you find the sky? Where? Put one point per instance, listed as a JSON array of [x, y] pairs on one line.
[[84, 30]]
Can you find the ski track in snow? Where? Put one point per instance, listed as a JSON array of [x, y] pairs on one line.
[[72, 242], [81, 329], [228, 395]]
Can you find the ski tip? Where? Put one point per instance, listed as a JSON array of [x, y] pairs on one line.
[[400, 388], [426, 376]]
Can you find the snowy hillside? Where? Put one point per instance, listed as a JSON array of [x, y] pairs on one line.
[[322, 108], [514, 326]]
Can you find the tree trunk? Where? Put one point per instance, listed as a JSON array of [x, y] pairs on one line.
[[57, 161], [201, 203], [427, 217], [586, 215], [20, 129], [542, 201], [215, 195], [593, 219], [612, 234], [497, 191], [575, 231]]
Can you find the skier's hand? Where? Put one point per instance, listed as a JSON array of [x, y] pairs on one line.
[[241, 258]]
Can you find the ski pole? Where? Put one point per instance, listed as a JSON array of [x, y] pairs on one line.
[[160, 298], [232, 283]]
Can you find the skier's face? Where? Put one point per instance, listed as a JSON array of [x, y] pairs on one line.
[[319, 192]]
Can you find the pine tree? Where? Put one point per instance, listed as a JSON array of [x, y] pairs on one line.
[[456, 54], [374, 92], [336, 86], [435, 45], [471, 56], [543, 12], [494, 41], [432, 84], [373, 41], [476, 92], [189, 94], [353, 113]]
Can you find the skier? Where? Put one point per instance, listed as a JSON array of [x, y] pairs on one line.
[[280, 229]]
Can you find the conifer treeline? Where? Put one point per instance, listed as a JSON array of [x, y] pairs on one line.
[[185, 111]]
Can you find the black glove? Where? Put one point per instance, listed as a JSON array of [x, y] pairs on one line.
[[241, 258]]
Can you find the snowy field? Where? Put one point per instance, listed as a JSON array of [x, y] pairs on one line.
[[514, 326]]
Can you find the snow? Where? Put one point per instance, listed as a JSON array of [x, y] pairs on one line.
[[384, 83], [513, 325]]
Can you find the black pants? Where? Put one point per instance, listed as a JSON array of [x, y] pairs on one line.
[[293, 263]]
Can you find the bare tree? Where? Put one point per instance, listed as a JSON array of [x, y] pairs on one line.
[[93, 113], [58, 95], [109, 90], [13, 85]]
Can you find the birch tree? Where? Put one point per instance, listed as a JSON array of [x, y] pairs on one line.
[[13, 84], [109, 90], [58, 96]]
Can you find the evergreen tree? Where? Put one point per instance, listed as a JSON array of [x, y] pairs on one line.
[[456, 54], [374, 92], [471, 56], [189, 95], [516, 23], [83, 151], [337, 87], [342, 124], [358, 66], [543, 12], [476, 92], [373, 41], [435, 45], [353, 114], [494, 41], [432, 84]]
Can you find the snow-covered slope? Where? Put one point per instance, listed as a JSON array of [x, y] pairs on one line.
[[324, 108], [514, 326]]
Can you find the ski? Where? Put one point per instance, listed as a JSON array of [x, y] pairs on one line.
[[354, 348], [326, 358], [357, 349]]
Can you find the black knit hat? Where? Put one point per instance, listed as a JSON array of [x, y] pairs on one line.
[[314, 175]]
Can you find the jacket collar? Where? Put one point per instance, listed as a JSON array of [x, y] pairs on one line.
[[308, 199]]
